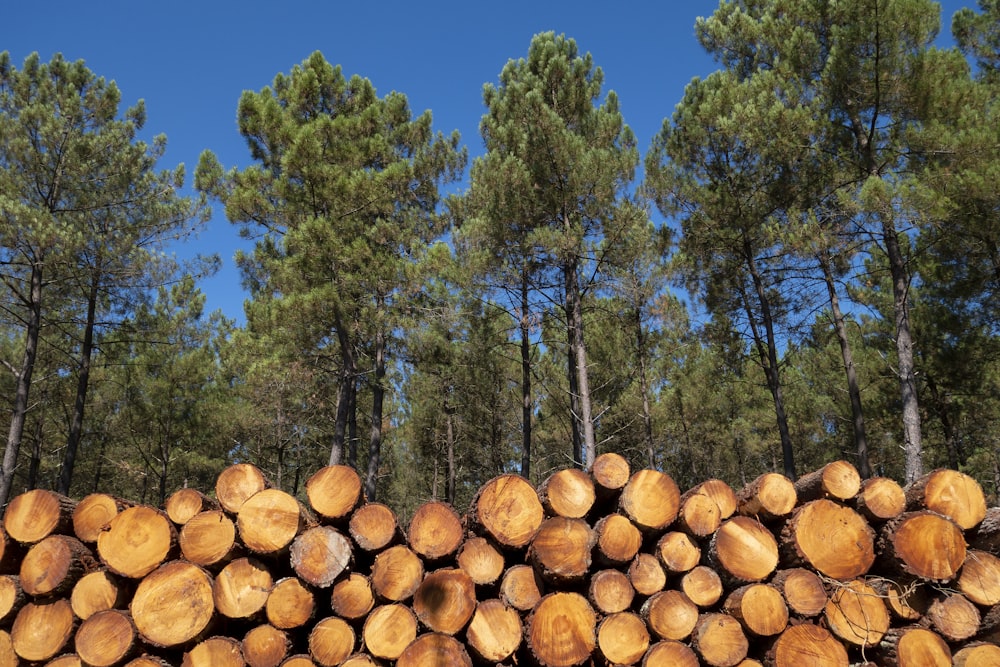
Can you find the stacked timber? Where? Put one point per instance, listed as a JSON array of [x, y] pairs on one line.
[[599, 567]]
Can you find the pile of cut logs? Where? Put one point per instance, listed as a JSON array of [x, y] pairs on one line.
[[602, 567]]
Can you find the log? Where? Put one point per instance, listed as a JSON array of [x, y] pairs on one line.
[[137, 541], [678, 552], [97, 591], [670, 654], [265, 646], [719, 491], [760, 609], [651, 500], [719, 641], [803, 591], [352, 597], [299, 661], [622, 638], [561, 550], [670, 614], [912, 646], [743, 550], [34, 515], [979, 579], [11, 553], [507, 509], [495, 631], [561, 630], [699, 515], [610, 473], [396, 573], [334, 492], [923, 544], [521, 587], [105, 639], [482, 561], [907, 600], [857, 614], [769, 497], [646, 574], [434, 649], [269, 520], [567, 493], [837, 480], [950, 493], [173, 605], [241, 589], [435, 531], [53, 565], [66, 660], [445, 601], [209, 539], [237, 483], [977, 655], [42, 629], [702, 585], [184, 504], [93, 513], [12, 598], [806, 645], [880, 499], [215, 652], [358, 660], [610, 591], [953, 617], [374, 526], [618, 540], [146, 660], [8, 656], [388, 630], [290, 604], [331, 641], [831, 538], [319, 555], [986, 536]]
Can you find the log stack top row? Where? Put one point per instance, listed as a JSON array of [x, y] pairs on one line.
[[601, 567]]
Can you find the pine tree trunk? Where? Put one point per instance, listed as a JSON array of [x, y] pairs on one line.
[[526, 403], [578, 349], [853, 390], [378, 397], [82, 383], [23, 385]]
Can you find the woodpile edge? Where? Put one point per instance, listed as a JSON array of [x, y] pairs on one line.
[[608, 566]]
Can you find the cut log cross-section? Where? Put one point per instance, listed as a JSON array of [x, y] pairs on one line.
[[950, 493], [719, 640], [105, 639], [352, 597], [807, 644], [269, 520], [670, 615], [42, 629], [744, 550], [507, 508], [760, 608], [622, 638], [173, 605], [562, 630], [183, 504], [857, 614], [209, 539], [925, 545], [880, 499], [137, 541], [833, 539], [54, 565], [445, 601], [435, 531], [241, 589], [265, 646], [495, 631], [610, 591], [32, 516], [568, 493], [838, 480], [388, 630], [334, 491], [331, 641], [319, 555], [483, 562], [769, 497], [651, 500]]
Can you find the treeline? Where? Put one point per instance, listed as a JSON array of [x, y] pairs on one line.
[[824, 286]]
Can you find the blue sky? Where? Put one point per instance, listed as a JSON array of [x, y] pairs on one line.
[[190, 61]]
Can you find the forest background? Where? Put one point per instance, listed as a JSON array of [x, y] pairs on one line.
[[800, 266]]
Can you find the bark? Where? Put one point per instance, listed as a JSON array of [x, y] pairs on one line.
[[80, 400], [378, 397], [767, 352], [853, 390], [526, 404], [21, 391]]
